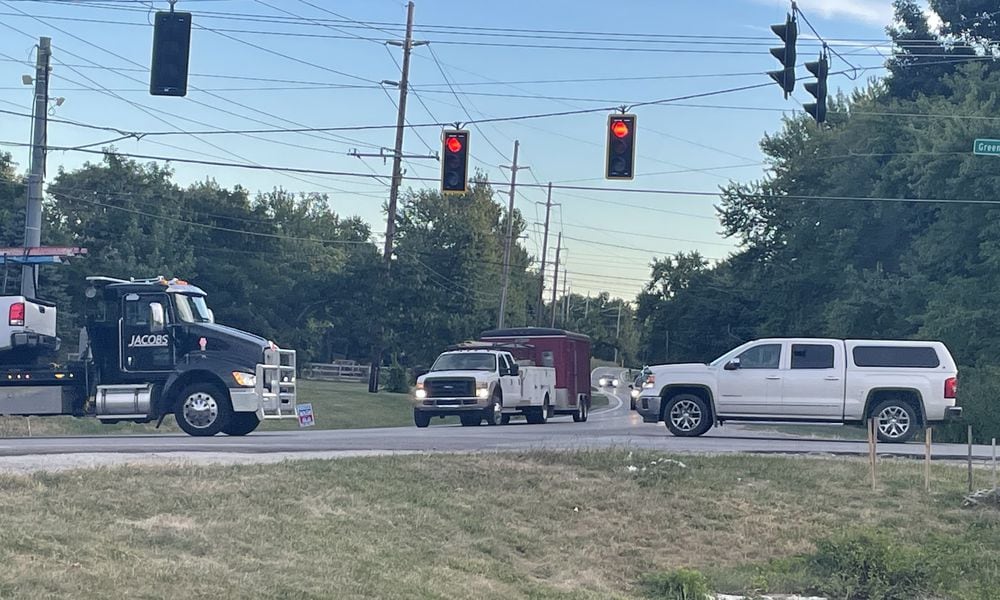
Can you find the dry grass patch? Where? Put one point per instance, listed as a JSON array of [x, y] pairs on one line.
[[538, 525]]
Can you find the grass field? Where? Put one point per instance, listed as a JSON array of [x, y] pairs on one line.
[[539, 525], [335, 405]]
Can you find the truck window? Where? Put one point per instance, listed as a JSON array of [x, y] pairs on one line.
[[765, 356], [906, 357], [465, 361], [812, 356], [548, 359], [504, 365]]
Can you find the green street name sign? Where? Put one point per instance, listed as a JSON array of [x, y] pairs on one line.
[[986, 147]]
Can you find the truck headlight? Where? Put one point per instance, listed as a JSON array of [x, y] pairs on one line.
[[420, 393], [482, 390], [245, 379]]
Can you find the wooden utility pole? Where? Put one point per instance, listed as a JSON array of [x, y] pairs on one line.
[[545, 250], [33, 213], [508, 244], [397, 157], [555, 280]]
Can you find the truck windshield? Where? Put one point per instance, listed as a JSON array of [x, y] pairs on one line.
[[192, 309], [471, 361]]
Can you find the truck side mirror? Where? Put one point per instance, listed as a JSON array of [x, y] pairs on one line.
[[514, 369], [732, 365], [157, 318]]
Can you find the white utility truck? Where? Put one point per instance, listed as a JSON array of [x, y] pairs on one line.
[[480, 382]]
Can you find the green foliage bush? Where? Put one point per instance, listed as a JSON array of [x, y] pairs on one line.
[[868, 566], [682, 584]]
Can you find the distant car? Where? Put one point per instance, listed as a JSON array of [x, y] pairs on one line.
[[608, 381]]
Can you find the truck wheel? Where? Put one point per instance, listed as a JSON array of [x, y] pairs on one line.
[[895, 421], [537, 416], [421, 419], [505, 420], [241, 423], [203, 409], [494, 412], [687, 415], [582, 412], [471, 420]]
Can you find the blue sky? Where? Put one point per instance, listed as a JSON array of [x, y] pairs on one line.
[[696, 145]]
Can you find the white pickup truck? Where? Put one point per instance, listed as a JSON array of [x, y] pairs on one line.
[[27, 328], [903, 385], [478, 384]]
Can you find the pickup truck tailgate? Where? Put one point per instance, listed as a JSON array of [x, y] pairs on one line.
[[19, 314]]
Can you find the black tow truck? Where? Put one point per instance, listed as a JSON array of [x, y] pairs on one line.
[[151, 348]]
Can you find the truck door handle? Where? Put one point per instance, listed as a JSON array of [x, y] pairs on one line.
[[773, 378], [831, 378]]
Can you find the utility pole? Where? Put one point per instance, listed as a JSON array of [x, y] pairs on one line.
[[586, 307], [33, 212], [566, 291], [618, 329], [509, 241], [555, 280], [397, 174], [397, 155], [545, 250]]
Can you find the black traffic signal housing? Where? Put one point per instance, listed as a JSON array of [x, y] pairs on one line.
[[821, 69], [621, 147], [171, 50], [454, 161], [789, 33]]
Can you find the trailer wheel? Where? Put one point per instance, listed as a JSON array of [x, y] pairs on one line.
[[203, 409], [505, 420], [242, 423], [582, 412], [421, 419]]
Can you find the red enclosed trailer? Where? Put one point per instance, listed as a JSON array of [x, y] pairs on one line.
[[567, 352]]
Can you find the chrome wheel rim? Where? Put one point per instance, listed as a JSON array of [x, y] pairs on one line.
[[685, 415], [497, 412], [893, 422], [200, 410]]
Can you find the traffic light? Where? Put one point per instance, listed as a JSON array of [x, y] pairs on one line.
[[454, 161], [789, 33], [621, 147], [820, 69], [171, 49]]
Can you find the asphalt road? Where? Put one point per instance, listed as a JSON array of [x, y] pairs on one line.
[[613, 427]]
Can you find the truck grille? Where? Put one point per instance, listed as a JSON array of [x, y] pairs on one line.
[[450, 388]]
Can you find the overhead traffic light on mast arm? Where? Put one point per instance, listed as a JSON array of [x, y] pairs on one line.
[[620, 162], [789, 33], [454, 161], [821, 69]]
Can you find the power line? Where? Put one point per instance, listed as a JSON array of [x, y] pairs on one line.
[[644, 191]]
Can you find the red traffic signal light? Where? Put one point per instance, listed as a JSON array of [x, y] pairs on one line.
[[620, 162], [454, 161]]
